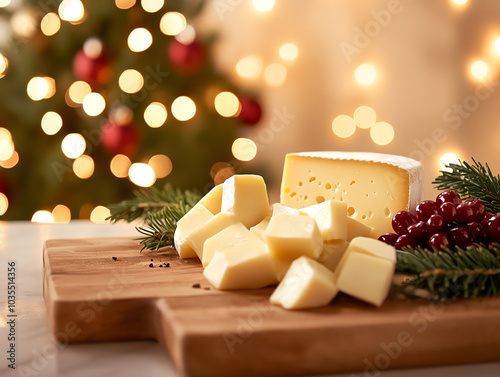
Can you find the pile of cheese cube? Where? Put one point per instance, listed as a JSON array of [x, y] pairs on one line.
[[313, 252]]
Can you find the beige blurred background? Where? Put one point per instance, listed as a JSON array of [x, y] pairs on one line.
[[435, 83]]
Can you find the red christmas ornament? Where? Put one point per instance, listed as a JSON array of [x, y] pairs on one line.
[[186, 59], [251, 112], [95, 71], [120, 139]]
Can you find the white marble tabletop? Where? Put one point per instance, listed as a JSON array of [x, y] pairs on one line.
[[38, 355]]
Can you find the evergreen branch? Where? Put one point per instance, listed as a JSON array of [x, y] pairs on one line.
[[147, 202], [448, 275], [472, 181]]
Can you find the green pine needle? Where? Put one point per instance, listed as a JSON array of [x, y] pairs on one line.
[[452, 274], [160, 209], [472, 181]]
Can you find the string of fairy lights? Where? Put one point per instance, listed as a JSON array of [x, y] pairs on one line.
[[144, 174]]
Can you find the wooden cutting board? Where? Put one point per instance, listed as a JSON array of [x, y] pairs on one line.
[[91, 298]]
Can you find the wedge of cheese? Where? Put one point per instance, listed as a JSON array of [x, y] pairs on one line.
[[245, 196], [332, 253], [190, 222], [374, 186], [260, 228], [307, 284], [229, 237], [331, 217], [212, 201]]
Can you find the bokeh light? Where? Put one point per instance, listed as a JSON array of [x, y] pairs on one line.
[[11, 162], [4, 64], [152, 6], [343, 126], [479, 69], [71, 10], [78, 90], [4, 3], [50, 24], [155, 115], [42, 217], [459, 2], [365, 117], [172, 23], [124, 4], [382, 133], [61, 214], [183, 108], [142, 175], [131, 81], [93, 48], [51, 123], [275, 74], [93, 104], [161, 164], [446, 159], [73, 145], [289, 51], [187, 36], [6, 150], [84, 166], [4, 204], [120, 165], [365, 74], [244, 149], [99, 215], [139, 40], [24, 23], [41, 88], [263, 5], [227, 104], [497, 45], [249, 67]]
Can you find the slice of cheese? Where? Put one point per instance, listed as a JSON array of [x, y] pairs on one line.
[[332, 253], [247, 265], [191, 221], [213, 226], [356, 228], [212, 201], [289, 237], [307, 284], [245, 196], [231, 236], [374, 186], [280, 209], [366, 277], [331, 217], [260, 228]]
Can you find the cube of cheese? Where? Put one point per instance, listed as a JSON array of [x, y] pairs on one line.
[[289, 237], [213, 226], [307, 284], [212, 201], [374, 186], [260, 228], [356, 228], [245, 196], [366, 277], [190, 222], [280, 209], [331, 217], [247, 265], [231, 236], [332, 253]]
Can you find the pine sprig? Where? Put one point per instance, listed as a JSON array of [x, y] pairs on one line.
[[147, 202], [472, 181], [452, 274]]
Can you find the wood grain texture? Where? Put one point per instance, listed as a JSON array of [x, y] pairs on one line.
[[92, 298]]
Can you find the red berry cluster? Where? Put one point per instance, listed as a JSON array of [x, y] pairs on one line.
[[447, 222]]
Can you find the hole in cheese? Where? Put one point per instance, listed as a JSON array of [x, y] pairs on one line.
[[287, 190], [320, 199], [328, 186], [351, 212], [312, 179], [387, 212]]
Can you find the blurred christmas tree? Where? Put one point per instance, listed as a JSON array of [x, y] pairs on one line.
[[99, 97]]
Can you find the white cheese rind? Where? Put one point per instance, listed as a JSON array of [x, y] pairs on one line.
[[190, 222], [373, 185], [307, 284]]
